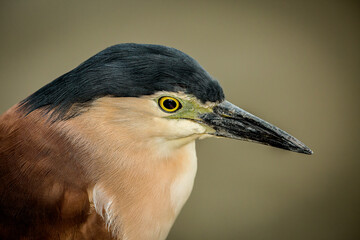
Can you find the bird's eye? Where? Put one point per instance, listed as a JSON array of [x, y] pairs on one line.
[[169, 104]]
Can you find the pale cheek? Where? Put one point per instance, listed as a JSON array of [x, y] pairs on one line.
[[172, 129], [185, 128]]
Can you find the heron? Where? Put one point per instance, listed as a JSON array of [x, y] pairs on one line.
[[107, 150]]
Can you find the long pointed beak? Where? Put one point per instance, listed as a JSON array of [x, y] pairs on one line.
[[231, 121]]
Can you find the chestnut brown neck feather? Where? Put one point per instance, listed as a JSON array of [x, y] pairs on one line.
[[43, 185]]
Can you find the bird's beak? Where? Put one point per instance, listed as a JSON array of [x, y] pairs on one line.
[[231, 121]]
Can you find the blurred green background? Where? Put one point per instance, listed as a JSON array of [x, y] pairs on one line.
[[295, 64]]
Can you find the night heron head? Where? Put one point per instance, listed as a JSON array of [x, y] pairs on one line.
[[156, 93]]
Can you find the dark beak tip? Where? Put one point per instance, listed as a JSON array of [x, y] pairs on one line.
[[308, 151], [302, 149]]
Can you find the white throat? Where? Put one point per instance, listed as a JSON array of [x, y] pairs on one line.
[[145, 202]]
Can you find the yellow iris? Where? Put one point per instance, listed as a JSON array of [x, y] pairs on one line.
[[169, 104]]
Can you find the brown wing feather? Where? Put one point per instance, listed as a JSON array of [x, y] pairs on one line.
[[43, 189]]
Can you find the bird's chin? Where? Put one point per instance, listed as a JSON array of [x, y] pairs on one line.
[[206, 135], [182, 131]]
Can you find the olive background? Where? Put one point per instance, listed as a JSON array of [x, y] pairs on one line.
[[295, 64]]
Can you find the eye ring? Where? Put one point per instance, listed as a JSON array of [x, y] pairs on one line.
[[169, 104]]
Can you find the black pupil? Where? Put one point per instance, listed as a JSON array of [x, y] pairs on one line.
[[170, 104]]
